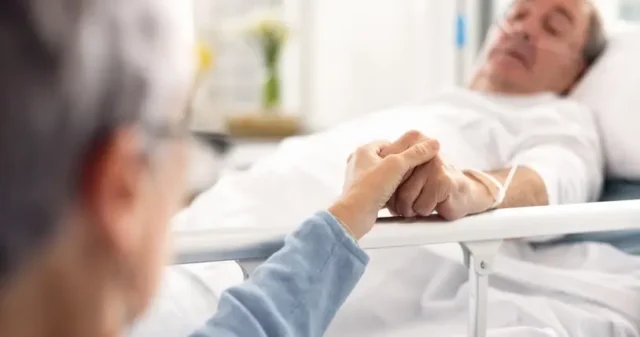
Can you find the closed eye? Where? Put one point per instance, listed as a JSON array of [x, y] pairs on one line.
[[549, 28], [520, 16]]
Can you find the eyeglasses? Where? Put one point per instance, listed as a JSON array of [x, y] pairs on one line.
[[178, 129], [155, 132]]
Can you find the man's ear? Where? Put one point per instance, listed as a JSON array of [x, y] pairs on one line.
[[111, 188]]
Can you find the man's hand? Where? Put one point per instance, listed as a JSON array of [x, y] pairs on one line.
[[371, 180], [436, 186]]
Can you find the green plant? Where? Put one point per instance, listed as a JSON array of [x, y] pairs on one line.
[[270, 34]]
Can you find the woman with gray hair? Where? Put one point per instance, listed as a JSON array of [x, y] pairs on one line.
[[92, 153]]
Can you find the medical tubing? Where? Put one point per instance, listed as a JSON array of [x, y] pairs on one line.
[[501, 193]]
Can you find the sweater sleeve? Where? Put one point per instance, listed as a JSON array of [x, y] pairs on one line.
[[297, 291]]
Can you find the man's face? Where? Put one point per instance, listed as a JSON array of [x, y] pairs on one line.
[[536, 46]]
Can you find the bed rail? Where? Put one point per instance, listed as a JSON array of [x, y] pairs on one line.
[[479, 236], [253, 243]]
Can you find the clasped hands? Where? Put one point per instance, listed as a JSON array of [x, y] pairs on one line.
[[408, 177], [435, 186]]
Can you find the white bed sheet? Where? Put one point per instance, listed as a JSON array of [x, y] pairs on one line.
[[577, 290], [423, 292]]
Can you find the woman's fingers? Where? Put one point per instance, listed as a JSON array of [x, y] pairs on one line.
[[420, 153], [403, 143], [416, 155], [369, 150]]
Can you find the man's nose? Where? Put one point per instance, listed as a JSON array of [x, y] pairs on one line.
[[524, 30], [522, 35]]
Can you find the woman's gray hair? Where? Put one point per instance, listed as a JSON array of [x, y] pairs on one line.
[[71, 71]]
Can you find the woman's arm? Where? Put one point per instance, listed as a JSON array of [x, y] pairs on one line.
[[298, 290]]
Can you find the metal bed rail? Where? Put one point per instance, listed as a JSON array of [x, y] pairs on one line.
[[479, 236]]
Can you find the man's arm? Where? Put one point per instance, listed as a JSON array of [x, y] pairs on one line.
[[526, 188], [561, 165], [552, 173]]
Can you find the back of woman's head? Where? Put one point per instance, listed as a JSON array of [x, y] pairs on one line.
[[73, 73]]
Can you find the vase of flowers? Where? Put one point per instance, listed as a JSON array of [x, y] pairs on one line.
[[269, 33]]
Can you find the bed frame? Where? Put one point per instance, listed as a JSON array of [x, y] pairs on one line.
[[479, 236]]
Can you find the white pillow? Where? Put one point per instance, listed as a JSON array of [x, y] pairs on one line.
[[612, 89]]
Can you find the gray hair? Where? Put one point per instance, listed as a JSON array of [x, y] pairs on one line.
[[596, 41], [71, 71]]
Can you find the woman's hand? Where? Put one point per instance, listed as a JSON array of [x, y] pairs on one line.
[[371, 180]]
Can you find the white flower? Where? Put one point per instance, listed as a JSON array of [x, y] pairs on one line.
[[258, 25]]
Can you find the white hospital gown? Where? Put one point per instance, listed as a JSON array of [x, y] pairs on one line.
[[405, 292], [556, 137]]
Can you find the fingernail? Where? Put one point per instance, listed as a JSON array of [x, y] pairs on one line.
[[434, 144], [424, 213]]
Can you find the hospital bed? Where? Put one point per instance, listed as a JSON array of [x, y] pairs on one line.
[[616, 216], [479, 237]]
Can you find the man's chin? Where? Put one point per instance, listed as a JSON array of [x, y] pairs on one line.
[[499, 82]]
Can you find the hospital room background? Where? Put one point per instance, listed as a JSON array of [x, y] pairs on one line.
[[339, 60], [276, 69]]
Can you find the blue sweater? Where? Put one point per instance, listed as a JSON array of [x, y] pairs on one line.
[[296, 292]]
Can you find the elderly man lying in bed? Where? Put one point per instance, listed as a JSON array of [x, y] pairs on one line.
[[514, 117]]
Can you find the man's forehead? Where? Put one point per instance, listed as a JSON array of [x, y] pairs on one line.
[[576, 13], [565, 7]]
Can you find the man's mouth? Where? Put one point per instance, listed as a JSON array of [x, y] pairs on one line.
[[520, 57]]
